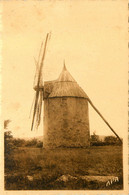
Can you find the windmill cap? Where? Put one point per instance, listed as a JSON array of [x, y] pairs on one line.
[[66, 86], [65, 76]]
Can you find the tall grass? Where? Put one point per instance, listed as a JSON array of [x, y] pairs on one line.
[[47, 165]]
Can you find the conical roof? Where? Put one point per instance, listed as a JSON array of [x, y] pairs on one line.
[[66, 86], [65, 76]]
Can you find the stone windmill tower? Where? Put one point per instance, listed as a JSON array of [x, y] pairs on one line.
[[66, 117]]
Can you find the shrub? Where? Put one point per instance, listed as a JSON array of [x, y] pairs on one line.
[[94, 137], [97, 143], [19, 142], [111, 140], [39, 144], [108, 140], [31, 143]]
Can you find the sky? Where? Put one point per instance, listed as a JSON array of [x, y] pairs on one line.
[[92, 38]]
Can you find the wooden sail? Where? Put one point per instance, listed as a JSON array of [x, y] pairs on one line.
[[39, 92]]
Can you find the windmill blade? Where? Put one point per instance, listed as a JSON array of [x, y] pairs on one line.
[[42, 60], [40, 52], [38, 119], [38, 104], [36, 72], [37, 63], [35, 109], [103, 119], [32, 106]]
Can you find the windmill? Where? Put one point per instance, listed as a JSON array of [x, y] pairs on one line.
[[66, 116]]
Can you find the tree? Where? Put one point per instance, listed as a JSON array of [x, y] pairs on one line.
[[94, 137], [8, 146]]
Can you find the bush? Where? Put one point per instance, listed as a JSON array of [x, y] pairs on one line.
[[39, 144], [97, 143], [108, 140], [94, 137], [94, 140], [111, 140], [31, 143], [19, 142]]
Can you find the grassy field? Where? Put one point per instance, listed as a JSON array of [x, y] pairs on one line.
[[43, 167]]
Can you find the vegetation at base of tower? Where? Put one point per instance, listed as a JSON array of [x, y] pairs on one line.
[[107, 140], [27, 143], [36, 142], [30, 167], [39, 169]]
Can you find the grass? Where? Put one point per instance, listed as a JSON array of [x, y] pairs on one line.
[[48, 165]]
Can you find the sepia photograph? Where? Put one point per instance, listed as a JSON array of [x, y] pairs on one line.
[[64, 96]]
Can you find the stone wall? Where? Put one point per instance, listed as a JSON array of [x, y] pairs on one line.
[[66, 122]]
